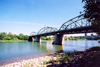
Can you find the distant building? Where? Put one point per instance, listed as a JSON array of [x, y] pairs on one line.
[[14, 33], [7, 32], [49, 36]]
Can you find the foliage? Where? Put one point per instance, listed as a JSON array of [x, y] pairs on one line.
[[47, 38], [26, 37], [21, 36], [92, 12], [4, 36], [7, 37], [75, 38], [45, 62], [62, 58]]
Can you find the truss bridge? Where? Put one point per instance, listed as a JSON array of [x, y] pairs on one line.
[[75, 25]]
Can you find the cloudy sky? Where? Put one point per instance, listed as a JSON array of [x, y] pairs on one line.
[[25, 16]]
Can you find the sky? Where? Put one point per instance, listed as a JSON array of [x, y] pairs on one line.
[[26, 16]]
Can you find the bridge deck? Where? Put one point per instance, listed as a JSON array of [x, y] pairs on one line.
[[85, 29]]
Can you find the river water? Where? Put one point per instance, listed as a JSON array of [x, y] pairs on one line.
[[10, 50]]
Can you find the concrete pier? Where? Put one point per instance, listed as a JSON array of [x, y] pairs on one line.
[[38, 39], [59, 39], [85, 34]]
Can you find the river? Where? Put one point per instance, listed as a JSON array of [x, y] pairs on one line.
[[9, 50]]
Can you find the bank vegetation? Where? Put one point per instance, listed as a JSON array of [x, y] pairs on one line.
[[10, 37]]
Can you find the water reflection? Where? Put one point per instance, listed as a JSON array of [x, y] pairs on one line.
[[70, 46], [20, 49], [49, 47], [58, 47]]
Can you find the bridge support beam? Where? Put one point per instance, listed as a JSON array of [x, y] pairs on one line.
[[38, 39], [85, 34], [31, 39], [59, 39]]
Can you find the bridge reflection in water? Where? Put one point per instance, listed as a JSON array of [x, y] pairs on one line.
[[49, 47], [27, 50], [75, 25]]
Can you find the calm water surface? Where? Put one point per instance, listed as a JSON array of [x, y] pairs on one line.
[[20, 49]]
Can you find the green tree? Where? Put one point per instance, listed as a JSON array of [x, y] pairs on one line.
[[21, 36], [7, 37], [92, 12], [15, 38], [11, 36], [26, 37], [2, 35], [43, 38]]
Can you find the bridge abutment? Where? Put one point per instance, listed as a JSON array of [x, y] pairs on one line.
[[38, 39], [59, 39], [31, 39]]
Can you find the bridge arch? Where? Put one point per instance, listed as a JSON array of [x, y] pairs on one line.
[[33, 33], [75, 22], [46, 30]]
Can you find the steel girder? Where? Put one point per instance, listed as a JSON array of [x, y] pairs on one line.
[[33, 33], [47, 30], [76, 22]]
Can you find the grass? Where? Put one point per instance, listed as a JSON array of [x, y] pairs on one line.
[[13, 40], [45, 62], [62, 58]]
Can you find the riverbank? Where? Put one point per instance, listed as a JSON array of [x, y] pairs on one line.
[[47, 40], [86, 58], [13, 40]]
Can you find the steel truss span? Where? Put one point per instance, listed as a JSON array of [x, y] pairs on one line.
[[76, 22], [47, 30], [33, 33]]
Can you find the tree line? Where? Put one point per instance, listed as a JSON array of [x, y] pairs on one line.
[[75, 38], [47, 38], [69, 38], [4, 36]]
